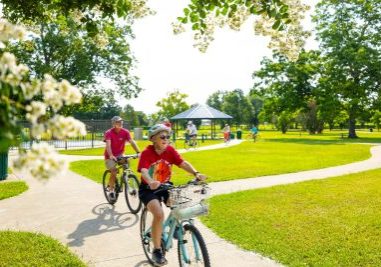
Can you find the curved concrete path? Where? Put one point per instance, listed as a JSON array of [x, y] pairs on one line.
[[72, 209]]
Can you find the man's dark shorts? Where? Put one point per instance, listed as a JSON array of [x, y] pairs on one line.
[[146, 194]]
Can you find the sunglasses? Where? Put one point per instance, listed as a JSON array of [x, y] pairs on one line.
[[163, 137]]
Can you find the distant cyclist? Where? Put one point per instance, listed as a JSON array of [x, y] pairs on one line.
[[254, 132], [155, 165], [192, 131], [116, 139], [226, 131]]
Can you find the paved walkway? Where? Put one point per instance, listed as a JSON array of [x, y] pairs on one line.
[[72, 209]]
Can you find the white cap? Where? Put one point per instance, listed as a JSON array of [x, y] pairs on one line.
[[116, 118]]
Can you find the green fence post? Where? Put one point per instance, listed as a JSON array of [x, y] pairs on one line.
[[3, 165]]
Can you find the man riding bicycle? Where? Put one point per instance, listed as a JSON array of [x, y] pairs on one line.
[[192, 131], [155, 166], [116, 139]]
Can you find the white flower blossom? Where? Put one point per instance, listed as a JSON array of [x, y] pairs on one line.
[[70, 94], [177, 27], [37, 130], [31, 89], [65, 127], [9, 31], [42, 161], [101, 41], [139, 9], [35, 110]]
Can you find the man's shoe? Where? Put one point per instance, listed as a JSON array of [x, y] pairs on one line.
[[158, 258], [112, 196]]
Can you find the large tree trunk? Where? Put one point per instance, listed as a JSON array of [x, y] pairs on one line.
[[352, 124]]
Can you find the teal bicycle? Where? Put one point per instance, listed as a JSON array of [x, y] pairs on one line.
[[186, 202]]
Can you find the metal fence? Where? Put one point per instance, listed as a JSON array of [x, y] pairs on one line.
[[94, 138]]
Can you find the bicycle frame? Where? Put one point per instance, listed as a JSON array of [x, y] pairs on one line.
[[171, 223]]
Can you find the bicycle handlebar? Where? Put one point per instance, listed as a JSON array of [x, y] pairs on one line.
[[168, 186], [126, 157]]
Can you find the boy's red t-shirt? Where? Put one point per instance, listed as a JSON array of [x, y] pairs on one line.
[[118, 141], [159, 166]]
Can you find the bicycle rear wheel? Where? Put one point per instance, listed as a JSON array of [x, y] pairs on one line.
[[186, 144], [191, 249], [131, 193], [106, 189]]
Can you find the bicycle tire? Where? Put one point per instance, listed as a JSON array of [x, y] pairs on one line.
[[194, 236], [186, 145], [131, 193], [195, 144], [147, 241], [105, 182]]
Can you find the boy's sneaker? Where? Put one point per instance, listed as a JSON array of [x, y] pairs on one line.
[[158, 258]]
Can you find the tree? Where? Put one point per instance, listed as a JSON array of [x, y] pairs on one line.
[[173, 104], [135, 118], [257, 103], [236, 104], [348, 32], [283, 121], [376, 119], [62, 46], [289, 86], [216, 99]]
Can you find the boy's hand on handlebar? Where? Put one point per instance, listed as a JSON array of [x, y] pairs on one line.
[[200, 177], [113, 158], [154, 185]]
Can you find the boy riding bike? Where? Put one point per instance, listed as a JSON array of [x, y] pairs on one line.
[[155, 166]]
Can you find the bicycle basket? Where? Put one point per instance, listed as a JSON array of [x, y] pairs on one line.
[[188, 202], [190, 195]]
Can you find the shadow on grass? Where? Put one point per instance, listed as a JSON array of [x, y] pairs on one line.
[[316, 141], [107, 220], [307, 141]]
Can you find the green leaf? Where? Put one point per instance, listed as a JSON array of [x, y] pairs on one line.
[[253, 10], [194, 17], [283, 9], [276, 25], [195, 26], [225, 11], [186, 11]]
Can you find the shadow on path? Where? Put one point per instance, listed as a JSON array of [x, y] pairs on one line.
[[107, 220]]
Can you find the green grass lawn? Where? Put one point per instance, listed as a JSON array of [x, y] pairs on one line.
[[331, 222], [252, 159], [129, 150], [30, 249], [10, 189]]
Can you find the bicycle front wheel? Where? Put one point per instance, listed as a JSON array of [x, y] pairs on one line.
[[131, 193], [106, 187], [191, 249]]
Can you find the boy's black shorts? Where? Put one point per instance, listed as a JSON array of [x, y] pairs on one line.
[[146, 194]]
